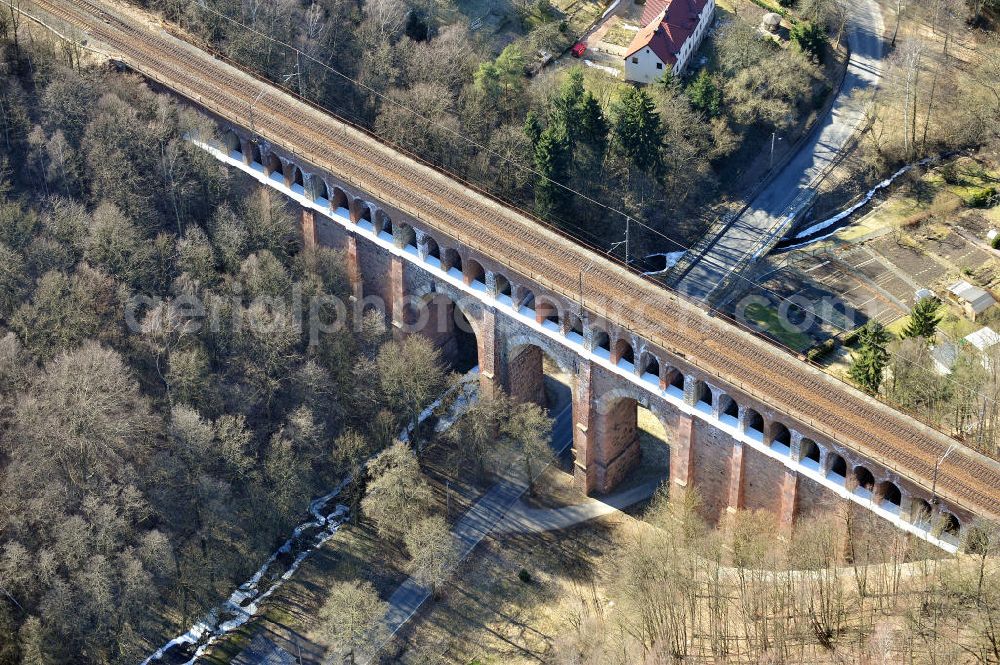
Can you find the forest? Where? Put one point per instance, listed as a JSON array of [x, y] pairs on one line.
[[577, 148], [152, 460]]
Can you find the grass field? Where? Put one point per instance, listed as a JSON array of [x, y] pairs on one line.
[[769, 322]]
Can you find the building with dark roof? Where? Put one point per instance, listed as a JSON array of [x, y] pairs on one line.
[[673, 30]]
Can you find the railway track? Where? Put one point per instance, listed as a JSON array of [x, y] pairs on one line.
[[843, 415]]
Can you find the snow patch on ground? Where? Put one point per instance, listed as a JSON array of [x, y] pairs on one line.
[[245, 601], [844, 214], [670, 258]]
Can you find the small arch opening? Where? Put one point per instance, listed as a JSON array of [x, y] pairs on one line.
[[275, 169], [453, 263], [526, 303], [781, 439], [755, 425], [602, 344], [407, 238], [365, 217], [385, 231], [838, 467], [475, 275], [340, 203], [865, 481], [575, 329], [676, 384], [889, 496], [256, 161], [504, 290], [703, 396], [731, 411], [950, 527], [432, 253], [920, 513], [547, 312], [810, 454], [624, 356], [232, 143], [651, 370], [298, 181]]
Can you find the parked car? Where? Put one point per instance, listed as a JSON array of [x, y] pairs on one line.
[[578, 49]]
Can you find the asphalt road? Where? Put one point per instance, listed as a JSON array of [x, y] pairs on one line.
[[487, 512], [793, 188]]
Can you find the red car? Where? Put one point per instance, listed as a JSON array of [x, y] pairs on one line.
[[578, 49]]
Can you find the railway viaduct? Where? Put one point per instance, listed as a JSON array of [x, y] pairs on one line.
[[748, 425]]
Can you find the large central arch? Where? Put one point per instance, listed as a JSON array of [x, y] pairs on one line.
[[627, 430], [533, 369], [449, 325]]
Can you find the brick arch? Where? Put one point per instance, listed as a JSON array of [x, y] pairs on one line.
[[863, 478], [516, 342], [503, 288], [524, 298], [383, 226], [315, 187], [470, 307], [675, 380], [474, 273], [323, 190], [296, 178], [779, 436], [433, 311], [524, 366], [888, 495], [431, 249], [623, 349], [406, 236], [810, 450], [340, 201], [451, 258], [232, 143], [649, 363], [599, 341], [274, 164], [728, 407], [254, 154], [549, 312], [361, 210], [614, 444]]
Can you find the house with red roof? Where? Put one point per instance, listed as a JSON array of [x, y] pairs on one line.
[[674, 29]]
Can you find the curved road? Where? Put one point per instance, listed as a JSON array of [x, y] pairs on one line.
[[771, 214]]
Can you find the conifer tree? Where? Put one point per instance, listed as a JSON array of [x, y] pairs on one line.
[[924, 319], [705, 95], [869, 361], [593, 128], [532, 128], [552, 155], [638, 134]]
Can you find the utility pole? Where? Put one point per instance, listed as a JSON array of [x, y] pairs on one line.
[[937, 466], [899, 15], [774, 139], [616, 245], [298, 70], [628, 228], [252, 104]]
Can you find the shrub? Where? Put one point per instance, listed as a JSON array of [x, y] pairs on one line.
[[984, 197], [524, 576], [949, 173], [995, 243], [821, 350], [810, 38]]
